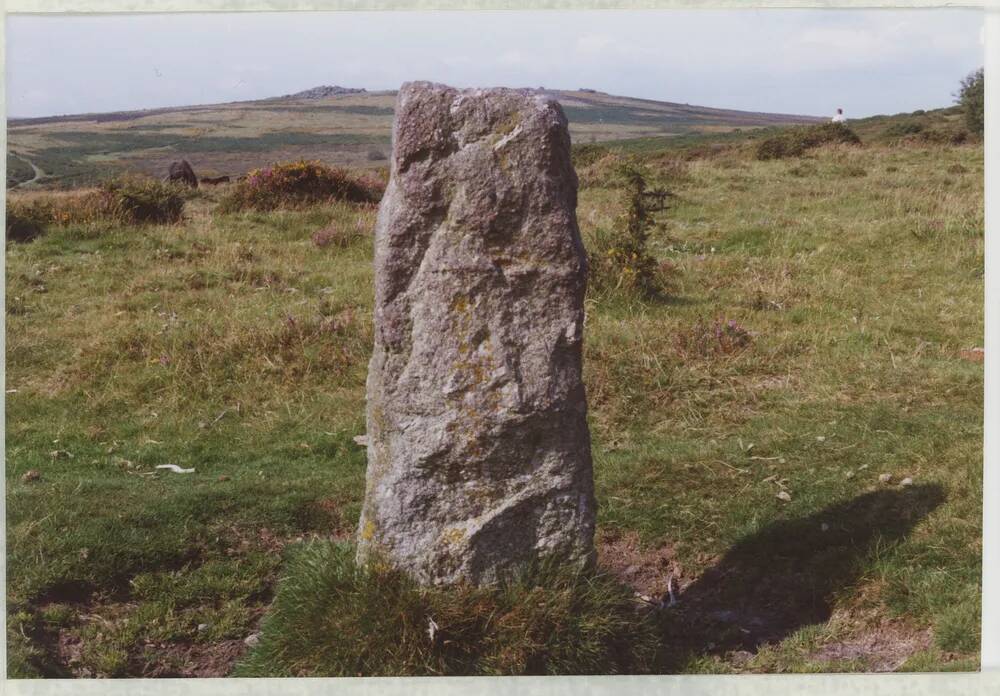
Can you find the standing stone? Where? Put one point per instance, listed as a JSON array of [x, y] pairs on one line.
[[479, 453], [182, 172]]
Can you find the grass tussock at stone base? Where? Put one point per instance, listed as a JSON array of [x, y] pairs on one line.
[[332, 618]]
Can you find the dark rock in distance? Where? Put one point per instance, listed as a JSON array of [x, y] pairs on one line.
[[183, 173]]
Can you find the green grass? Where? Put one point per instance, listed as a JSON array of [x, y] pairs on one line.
[[362, 109], [234, 138], [75, 144], [234, 345], [70, 164], [937, 125], [659, 144], [546, 622], [631, 117], [18, 171]]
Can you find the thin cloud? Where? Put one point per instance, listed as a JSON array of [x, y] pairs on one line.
[[593, 43], [793, 61]]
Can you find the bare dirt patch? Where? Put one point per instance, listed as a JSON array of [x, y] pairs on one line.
[[881, 648], [68, 648], [243, 540], [975, 355], [647, 571], [171, 658], [193, 659]]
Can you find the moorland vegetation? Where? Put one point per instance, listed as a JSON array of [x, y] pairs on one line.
[[785, 392]]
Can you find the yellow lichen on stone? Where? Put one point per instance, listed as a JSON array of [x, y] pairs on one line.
[[503, 160], [452, 536], [510, 123]]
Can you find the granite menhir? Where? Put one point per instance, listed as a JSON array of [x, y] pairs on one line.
[[478, 448]]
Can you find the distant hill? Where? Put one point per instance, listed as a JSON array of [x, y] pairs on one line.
[[337, 125]]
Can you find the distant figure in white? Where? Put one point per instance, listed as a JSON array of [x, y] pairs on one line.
[[839, 117]]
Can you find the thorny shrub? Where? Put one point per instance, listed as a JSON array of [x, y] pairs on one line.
[[794, 142], [126, 200], [620, 260], [139, 200], [296, 184]]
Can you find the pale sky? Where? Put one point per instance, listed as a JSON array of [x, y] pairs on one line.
[[787, 61]]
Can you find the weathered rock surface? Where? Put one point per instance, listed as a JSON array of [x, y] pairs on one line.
[[479, 454]]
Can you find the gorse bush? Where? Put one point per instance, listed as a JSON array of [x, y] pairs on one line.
[[904, 128], [794, 142], [914, 131], [123, 201], [332, 618], [25, 222], [586, 154], [599, 172], [27, 218], [296, 184], [673, 169], [970, 98], [135, 201], [943, 136], [619, 258]]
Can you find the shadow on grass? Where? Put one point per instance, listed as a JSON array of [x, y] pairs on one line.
[[669, 299], [782, 579]]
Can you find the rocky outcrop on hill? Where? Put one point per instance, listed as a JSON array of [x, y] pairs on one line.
[[324, 91]]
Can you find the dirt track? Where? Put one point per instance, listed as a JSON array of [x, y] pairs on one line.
[[39, 173]]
